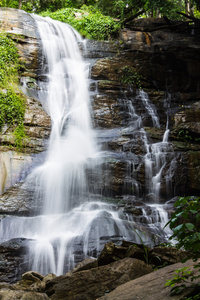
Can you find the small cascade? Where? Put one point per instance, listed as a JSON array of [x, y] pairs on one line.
[[156, 217], [157, 158], [149, 107]]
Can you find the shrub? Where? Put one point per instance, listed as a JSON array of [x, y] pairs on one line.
[[185, 223], [88, 21]]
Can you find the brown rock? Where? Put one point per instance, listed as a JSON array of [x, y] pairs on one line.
[[150, 286], [22, 295], [166, 255], [35, 115], [93, 283], [86, 264], [106, 112]]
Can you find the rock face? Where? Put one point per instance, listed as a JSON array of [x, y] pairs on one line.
[[165, 64], [14, 165], [13, 259]]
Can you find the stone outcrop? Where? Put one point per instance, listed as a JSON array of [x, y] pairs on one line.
[[156, 256], [95, 282], [119, 273], [150, 286]]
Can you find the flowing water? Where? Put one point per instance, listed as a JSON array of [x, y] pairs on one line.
[[73, 223]]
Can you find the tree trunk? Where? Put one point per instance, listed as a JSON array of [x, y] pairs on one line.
[[189, 7], [20, 4]]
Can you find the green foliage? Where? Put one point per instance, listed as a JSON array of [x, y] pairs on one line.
[[12, 102], [197, 13], [12, 108], [9, 3], [180, 277], [130, 76], [185, 223], [185, 135], [121, 9], [188, 136], [20, 136], [152, 8], [9, 61], [88, 21], [195, 297]]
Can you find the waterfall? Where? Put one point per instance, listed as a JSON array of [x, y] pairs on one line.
[[71, 142], [71, 224], [74, 220]]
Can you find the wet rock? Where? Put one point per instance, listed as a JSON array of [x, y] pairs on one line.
[[35, 115], [106, 112], [93, 283], [16, 163], [112, 252], [13, 259], [13, 166], [18, 200], [187, 170]]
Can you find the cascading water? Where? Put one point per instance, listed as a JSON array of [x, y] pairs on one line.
[[72, 223]]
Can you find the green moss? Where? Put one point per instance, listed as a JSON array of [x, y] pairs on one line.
[[12, 101]]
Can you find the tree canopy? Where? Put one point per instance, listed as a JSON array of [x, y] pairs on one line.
[[121, 9]]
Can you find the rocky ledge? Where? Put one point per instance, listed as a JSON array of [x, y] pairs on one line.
[[120, 272]]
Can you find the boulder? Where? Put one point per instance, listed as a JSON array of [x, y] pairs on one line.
[[21, 295], [93, 283], [159, 256], [156, 256], [150, 286]]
